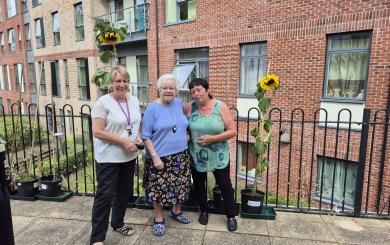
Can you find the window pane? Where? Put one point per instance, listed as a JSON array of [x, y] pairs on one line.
[[350, 41], [251, 50], [170, 11]]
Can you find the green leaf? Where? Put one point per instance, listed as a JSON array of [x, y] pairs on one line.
[[254, 132], [102, 79], [106, 56], [264, 104]]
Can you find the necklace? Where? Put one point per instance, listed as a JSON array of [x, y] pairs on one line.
[[173, 119]]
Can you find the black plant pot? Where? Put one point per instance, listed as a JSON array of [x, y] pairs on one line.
[[50, 187], [27, 188], [218, 200], [251, 204]]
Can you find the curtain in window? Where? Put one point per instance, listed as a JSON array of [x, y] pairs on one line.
[[1, 78], [11, 8], [11, 38], [38, 31], [79, 15], [170, 11], [56, 24], [20, 77]]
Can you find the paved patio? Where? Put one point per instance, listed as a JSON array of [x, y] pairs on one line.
[[43, 222]]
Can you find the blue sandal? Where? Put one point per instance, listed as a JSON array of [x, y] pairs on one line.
[[158, 228], [180, 217]]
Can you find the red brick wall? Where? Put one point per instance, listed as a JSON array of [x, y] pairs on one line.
[[18, 57], [296, 34]]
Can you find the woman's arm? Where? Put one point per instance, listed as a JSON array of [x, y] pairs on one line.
[[230, 128], [187, 109], [158, 164], [98, 130]]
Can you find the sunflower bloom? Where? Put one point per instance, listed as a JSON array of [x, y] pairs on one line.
[[109, 37], [269, 82]]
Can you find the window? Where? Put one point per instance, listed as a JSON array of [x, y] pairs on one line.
[[7, 76], [66, 74], [42, 78], [1, 13], [2, 43], [179, 10], [191, 63], [140, 15], [252, 66], [119, 10], [56, 28], [11, 40], [83, 78], [20, 37], [345, 173], [55, 78], [122, 61], [246, 160], [347, 66], [19, 78], [79, 21], [36, 2], [33, 80], [39, 33], [27, 30], [143, 81], [11, 8]]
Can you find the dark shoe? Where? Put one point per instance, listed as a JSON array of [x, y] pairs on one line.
[[203, 218], [232, 224]]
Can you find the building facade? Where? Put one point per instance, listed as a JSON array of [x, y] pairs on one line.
[[14, 86], [328, 54]]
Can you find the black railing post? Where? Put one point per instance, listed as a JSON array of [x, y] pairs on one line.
[[6, 230], [362, 161]]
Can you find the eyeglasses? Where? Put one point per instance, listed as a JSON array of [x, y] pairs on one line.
[[168, 88]]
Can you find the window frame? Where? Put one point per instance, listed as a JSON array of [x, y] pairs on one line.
[[66, 79], [85, 86], [240, 162], [55, 78], [40, 40], [11, 43], [343, 51], [56, 33], [33, 78], [15, 13], [27, 29], [77, 27], [259, 58], [42, 80], [328, 199], [177, 12]]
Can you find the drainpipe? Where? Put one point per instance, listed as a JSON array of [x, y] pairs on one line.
[[157, 48]]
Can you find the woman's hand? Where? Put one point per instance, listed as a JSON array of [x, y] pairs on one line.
[[129, 145], [206, 139], [157, 163]]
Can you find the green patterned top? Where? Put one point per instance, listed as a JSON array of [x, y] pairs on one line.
[[213, 156]]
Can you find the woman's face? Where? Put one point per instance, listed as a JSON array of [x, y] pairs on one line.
[[199, 93], [120, 86], [167, 90]]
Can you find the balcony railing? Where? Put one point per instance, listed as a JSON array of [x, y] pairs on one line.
[[134, 19]]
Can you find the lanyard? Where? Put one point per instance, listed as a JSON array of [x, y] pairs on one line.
[[127, 115]]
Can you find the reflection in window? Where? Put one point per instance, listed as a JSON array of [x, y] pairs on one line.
[[347, 66]]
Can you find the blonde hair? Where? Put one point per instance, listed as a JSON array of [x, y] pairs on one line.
[[121, 71]]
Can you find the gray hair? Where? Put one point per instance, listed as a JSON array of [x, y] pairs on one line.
[[166, 77]]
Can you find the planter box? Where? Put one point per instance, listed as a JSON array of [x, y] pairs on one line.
[[60, 198], [266, 213]]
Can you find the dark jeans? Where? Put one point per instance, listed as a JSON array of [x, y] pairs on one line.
[[115, 187], [222, 178]]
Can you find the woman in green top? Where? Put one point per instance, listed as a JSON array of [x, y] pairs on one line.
[[211, 124]]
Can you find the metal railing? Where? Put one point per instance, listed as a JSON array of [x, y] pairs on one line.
[[134, 18], [315, 164]]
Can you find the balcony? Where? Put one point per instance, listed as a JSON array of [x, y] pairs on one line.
[[134, 19]]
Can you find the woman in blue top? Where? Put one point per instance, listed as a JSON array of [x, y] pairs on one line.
[[167, 177]]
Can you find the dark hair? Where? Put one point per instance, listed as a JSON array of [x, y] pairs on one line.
[[200, 82]]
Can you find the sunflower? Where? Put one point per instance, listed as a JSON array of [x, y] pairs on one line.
[[109, 37], [269, 82]]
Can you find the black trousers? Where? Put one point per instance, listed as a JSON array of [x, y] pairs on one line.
[[222, 178], [115, 187]]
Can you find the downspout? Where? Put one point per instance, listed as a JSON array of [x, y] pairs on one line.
[[384, 146], [157, 48]]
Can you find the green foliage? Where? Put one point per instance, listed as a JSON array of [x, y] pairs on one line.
[[14, 134], [264, 104], [105, 56]]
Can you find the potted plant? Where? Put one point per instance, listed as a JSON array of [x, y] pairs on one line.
[[252, 198], [106, 34]]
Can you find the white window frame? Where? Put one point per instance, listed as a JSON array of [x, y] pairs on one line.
[[11, 8]]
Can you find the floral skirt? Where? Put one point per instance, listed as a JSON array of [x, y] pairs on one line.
[[170, 185]]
